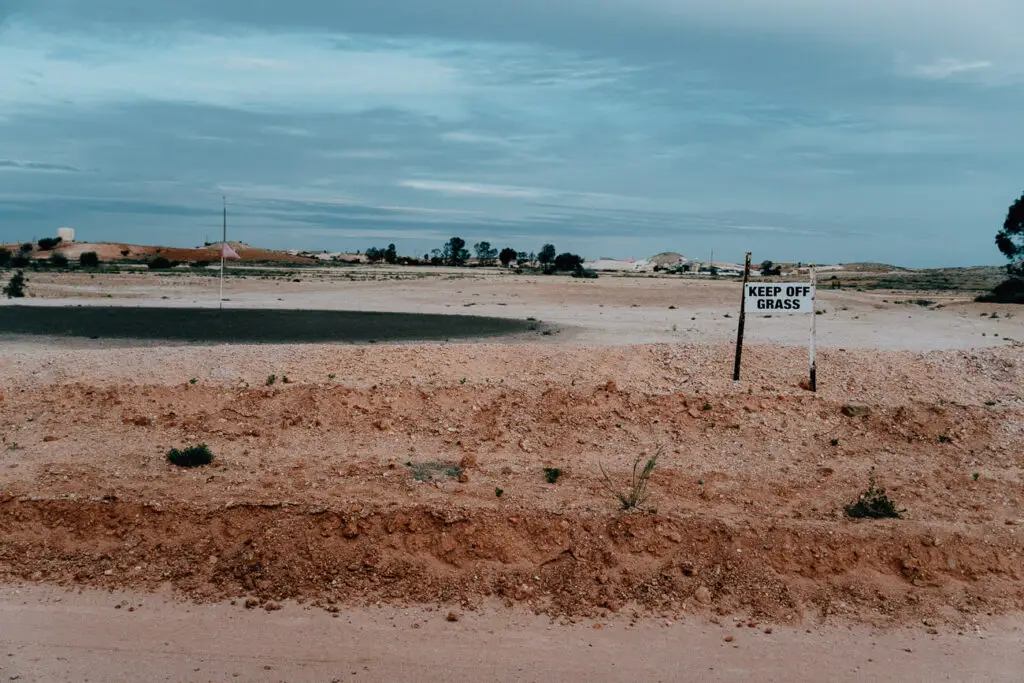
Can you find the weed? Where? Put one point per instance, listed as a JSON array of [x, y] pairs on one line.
[[331, 376], [635, 497], [285, 380], [873, 504], [990, 403], [192, 456], [271, 379], [193, 381], [462, 381], [498, 493], [975, 476], [944, 439], [835, 442], [700, 482], [434, 470], [706, 406], [552, 474]]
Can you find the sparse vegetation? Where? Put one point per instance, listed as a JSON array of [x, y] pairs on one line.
[[5, 257], [424, 471], [193, 381], [89, 259], [161, 263], [873, 504], [49, 243], [498, 493], [944, 439], [975, 476], [58, 260], [551, 474], [15, 287], [192, 456], [835, 442], [635, 496], [270, 380]]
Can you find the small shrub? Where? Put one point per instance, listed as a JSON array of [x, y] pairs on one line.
[[19, 261], [193, 381], [125, 252], [975, 476], [435, 470], [331, 376], [5, 257], [26, 248], [636, 495], [160, 263], [58, 260], [873, 504], [271, 379], [835, 442], [944, 439], [15, 287], [552, 474], [89, 259], [706, 406], [498, 493], [48, 243], [192, 456]]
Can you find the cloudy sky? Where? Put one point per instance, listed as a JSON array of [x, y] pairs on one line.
[[814, 130]]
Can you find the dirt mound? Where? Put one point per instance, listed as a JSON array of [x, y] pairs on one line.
[[112, 251]]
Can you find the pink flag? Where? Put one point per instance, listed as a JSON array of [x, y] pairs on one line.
[[228, 253]]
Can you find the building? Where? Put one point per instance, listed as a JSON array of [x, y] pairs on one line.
[[66, 234]]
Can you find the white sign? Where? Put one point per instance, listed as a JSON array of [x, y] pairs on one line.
[[779, 297]]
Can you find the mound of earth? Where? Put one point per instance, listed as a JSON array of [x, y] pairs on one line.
[[113, 251], [416, 474]]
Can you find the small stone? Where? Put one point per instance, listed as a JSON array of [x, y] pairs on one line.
[[272, 606], [729, 639], [452, 616], [463, 478], [49, 439], [856, 410], [768, 630], [468, 462], [250, 603], [703, 595]]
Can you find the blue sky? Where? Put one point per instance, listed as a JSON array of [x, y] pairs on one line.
[[814, 130]]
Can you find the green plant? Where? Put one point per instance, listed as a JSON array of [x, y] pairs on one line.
[[58, 260], [89, 259], [552, 474], [161, 263], [5, 257], [331, 376], [48, 243], [499, 492], [873, 504], [193, 381], [706, 406], [462, 381], [285, 380], [271, 379], [975, 476], [192, 456], [15, 287], [835, 442], [944, 439], [636, 495]]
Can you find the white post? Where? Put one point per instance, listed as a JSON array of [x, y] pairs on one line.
[[814, 327]]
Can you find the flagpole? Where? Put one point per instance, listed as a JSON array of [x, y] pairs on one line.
[[222, 244]]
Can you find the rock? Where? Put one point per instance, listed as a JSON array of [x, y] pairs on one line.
[[703, 595], [468, 461], [350, 530], [452, 616], [49, 439], [692, 412], [729, 639], [463, 478], [856, 410], [272, 606], [251, 603]]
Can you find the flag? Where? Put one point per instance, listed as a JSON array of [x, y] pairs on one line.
[[228, 253]]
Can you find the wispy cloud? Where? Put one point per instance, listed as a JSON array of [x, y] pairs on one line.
[[476, 189], [948, 67], [11, 165]]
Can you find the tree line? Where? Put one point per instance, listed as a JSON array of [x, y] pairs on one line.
[[455, 252]]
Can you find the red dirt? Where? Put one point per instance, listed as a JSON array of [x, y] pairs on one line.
[[113, 251], [311, 496]]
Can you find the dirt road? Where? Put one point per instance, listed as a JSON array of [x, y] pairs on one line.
[[48, 634]]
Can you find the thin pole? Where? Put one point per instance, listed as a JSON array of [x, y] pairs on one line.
[[743, 318], [814, 328], [221, 302]]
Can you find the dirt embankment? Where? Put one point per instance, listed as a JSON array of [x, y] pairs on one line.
[[386, 487]]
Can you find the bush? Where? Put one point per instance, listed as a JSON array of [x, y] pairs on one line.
[[161, 263], [1009, 292], [15, 288], [26, 248], [635, 496], [5, 257], [200, 264], [58, 260], [20, 261], [193, 456], [89, 259], [551, 474], [48, 243], [567, 261], [584, 273], [873, 504]]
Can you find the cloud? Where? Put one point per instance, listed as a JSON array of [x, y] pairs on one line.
[[476, 189], [947, 67], [11, 165]]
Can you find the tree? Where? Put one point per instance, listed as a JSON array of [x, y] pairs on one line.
[[522, 257], [374, 255], [160, 263], [507, 256], [391, 254], [89, 259], [19, 260], [1010, 239], [455, 252], [769, 268], [58, 260], [26, 248], [567, 261], [15, 288], [48, 243], [5, 257], [485, 253], [546, 255]]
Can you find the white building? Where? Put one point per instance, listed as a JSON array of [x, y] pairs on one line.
[[66, 234]]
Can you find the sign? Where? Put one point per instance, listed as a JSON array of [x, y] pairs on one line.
[[779, 297]]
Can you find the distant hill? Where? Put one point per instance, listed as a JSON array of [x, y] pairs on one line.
[[116, 251]]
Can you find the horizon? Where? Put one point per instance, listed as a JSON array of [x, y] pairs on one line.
[[854, 132]]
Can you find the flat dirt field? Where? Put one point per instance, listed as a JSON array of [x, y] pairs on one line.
[[378, 481]]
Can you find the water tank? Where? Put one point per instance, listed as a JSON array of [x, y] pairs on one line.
[[66, 234]]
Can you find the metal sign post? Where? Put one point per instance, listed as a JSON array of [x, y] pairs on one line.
[[221, 300], [743, 315], [814, 327]]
